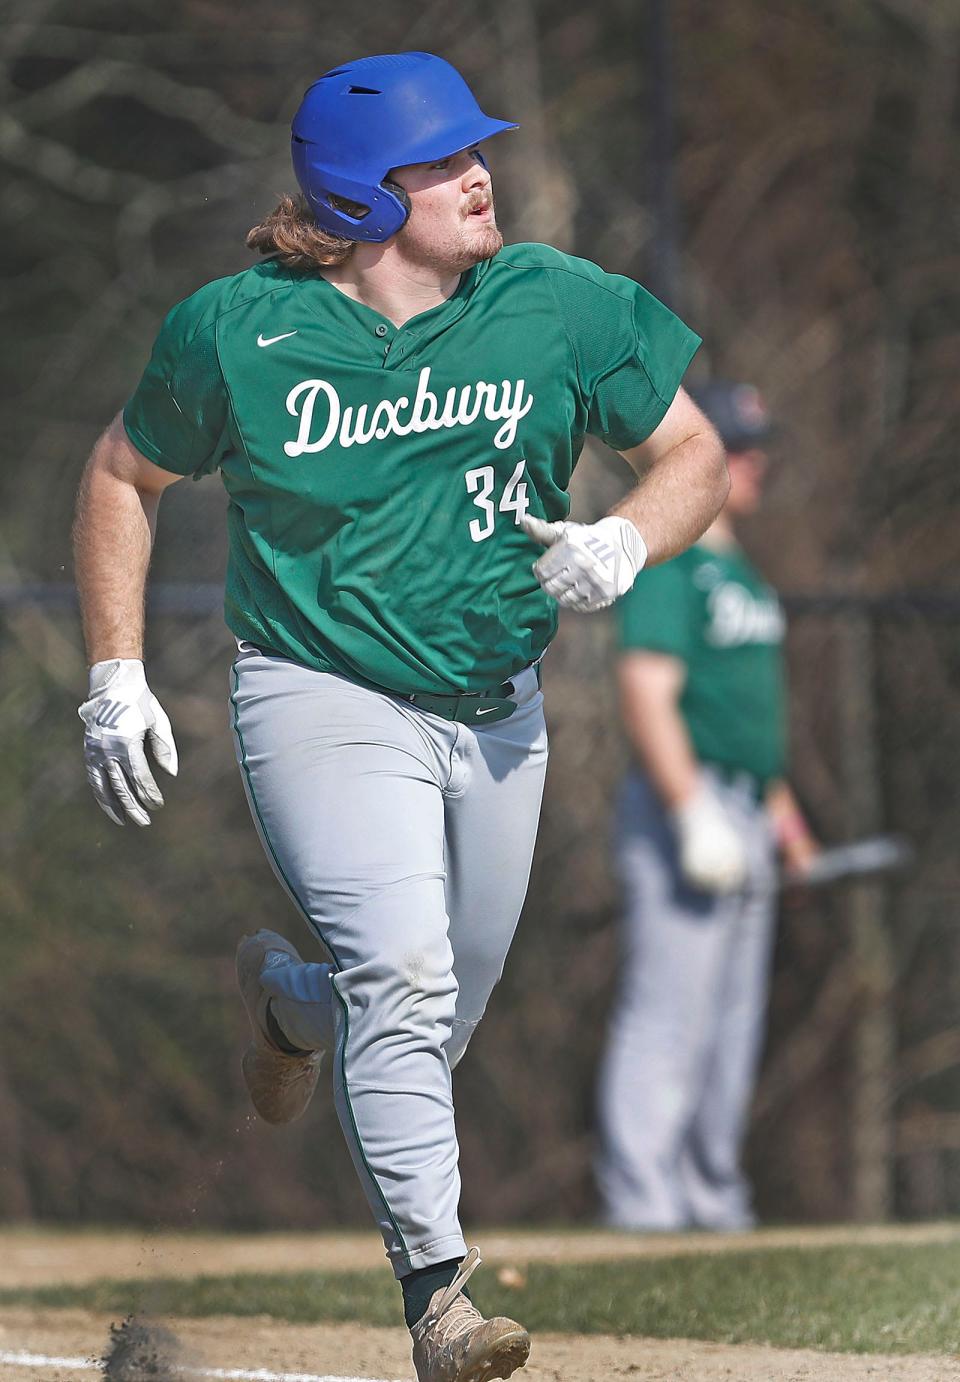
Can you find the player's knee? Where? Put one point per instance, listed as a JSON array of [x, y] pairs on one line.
[[424, 991], [408, 993]]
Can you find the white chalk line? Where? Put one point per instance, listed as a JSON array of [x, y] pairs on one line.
[[23, 1359]]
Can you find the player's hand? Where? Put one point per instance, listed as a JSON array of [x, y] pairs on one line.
[[799, 848], [586, 565], [799, 854], [711, 849], [121, 713]]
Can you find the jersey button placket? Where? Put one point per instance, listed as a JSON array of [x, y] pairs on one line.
[[380, 331]]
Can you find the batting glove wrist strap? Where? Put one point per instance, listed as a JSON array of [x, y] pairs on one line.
[[624, 534], [126, 671], [121, 714], [587, 565]]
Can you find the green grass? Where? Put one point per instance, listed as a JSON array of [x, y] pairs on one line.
[[849, 1299]]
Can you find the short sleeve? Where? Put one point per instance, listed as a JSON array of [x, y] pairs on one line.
[[178, 416], [657, 615], [631, 352]]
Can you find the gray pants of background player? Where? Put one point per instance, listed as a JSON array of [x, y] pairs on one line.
[[405, 841], [687, 1027]]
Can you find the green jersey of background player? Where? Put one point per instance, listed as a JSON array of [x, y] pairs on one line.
[[395, 403]]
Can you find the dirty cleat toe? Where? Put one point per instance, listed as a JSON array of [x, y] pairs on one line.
[[453, 1342]]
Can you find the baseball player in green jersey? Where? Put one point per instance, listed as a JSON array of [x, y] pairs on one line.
[[700, 819], [395, 403]]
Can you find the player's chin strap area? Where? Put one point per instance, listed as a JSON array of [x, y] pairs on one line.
[[478, 707]]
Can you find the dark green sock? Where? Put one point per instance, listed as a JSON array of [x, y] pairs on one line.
[[419, 1286]]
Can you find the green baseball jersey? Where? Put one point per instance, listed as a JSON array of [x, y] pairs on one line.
[[712, 610], [377, 475]]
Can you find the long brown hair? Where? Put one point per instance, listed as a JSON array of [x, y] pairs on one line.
[[293, 237]]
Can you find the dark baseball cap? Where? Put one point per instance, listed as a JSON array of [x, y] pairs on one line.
[[737, 411]]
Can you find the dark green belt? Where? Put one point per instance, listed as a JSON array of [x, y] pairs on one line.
[[468, 707]]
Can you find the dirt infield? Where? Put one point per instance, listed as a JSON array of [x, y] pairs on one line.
[[30, 1257], [350, 1352]]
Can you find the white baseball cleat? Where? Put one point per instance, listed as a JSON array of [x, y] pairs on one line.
[[452, 1342], [280, 1084]]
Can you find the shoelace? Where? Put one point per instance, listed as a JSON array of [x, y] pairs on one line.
[[453, 1316]]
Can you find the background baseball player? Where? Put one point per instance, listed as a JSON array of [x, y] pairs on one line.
[[699, 822], [395, 404]]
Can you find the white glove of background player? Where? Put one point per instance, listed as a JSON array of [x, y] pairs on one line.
[[712, 855], [122, 711], [587, 565]]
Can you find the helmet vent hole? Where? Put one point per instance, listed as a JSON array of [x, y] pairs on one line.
[[364, 91], [356, 210]]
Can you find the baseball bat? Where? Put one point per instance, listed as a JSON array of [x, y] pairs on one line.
[[877, 854]]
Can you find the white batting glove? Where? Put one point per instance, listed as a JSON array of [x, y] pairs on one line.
[[587, 565], [712, 854], [121, 712]]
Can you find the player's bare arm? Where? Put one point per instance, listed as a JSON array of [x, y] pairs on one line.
[[113, 536], [683, 487], [710, 852], [796, 841], [650, 685], [684, 481]]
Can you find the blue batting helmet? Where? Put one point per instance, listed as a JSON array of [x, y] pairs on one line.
[[366, 117]]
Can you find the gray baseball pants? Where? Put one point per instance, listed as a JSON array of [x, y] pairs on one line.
[[405, 842], [687, 1027]]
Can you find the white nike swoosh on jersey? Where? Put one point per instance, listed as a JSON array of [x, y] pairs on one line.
[[272, 340], [486, 710]]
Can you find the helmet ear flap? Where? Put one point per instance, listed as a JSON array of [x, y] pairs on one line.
[[401, 194]]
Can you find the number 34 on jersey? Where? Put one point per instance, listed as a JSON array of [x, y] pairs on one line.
[[482, 483]]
